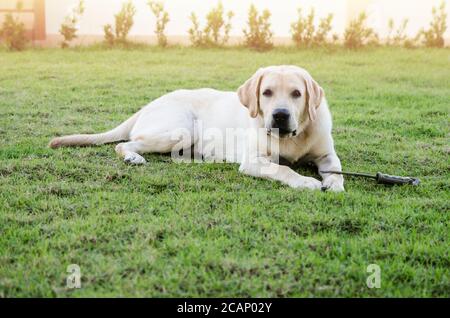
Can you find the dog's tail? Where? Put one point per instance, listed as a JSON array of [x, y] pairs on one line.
[[121, 132]]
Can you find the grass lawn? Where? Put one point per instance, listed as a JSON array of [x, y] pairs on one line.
[[168, 229]]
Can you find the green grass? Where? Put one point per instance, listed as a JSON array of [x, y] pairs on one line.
[[168, 229]]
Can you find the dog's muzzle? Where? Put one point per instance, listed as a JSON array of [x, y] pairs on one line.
[[280, 124]]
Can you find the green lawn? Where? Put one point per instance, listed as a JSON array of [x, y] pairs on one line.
[[168, 229]]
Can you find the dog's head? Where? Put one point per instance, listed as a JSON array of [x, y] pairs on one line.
[[286, 97]]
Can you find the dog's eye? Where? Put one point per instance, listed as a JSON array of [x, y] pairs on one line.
[[267, 93], [296, 94]]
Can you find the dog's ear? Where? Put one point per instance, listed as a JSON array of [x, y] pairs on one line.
[[249, 92], [314, 95]]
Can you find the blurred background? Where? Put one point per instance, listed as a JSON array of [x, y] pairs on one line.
[[43, 18]]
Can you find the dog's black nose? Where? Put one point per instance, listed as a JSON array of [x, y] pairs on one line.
[[280, 115]]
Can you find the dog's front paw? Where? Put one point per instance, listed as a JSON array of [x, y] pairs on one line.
[[333, 183], [134, 159], [306, 183]]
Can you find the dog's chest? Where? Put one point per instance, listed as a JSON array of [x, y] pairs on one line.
[[292, 149]]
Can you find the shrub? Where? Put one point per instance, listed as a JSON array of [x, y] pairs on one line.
[[357, 34], [109, 34], [13, 31], [258, 34], [195, 34], [322, 31], [69, 26], [334, 38], [217, 29], [397, 37], [303, 29], [304, 32], [124, 21], [434, 36], [162, 18]]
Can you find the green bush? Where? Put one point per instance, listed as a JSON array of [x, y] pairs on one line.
[[109, 35], [124, 21], [305, 34], [398, 37], [69, 26], [217, 29], [258, 34], [434, 36], [162, 18], [358, 34], [12, 31]]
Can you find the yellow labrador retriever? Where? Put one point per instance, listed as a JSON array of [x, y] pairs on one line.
[[282, 101]]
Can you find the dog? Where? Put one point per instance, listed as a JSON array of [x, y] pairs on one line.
[[284, 102]]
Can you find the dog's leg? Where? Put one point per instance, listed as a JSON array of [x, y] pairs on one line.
[[129, 151], [325, 158], [154, 142], [330, 161], [158, 130], [259, 160], [263, 168]]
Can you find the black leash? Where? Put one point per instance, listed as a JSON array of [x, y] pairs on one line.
[[381, 177]]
